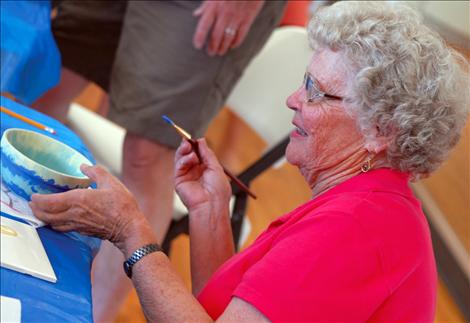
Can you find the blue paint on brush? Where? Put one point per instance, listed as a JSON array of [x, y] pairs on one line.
[[168, 120]]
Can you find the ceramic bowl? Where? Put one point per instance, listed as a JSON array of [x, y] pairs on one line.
[[35, 163]]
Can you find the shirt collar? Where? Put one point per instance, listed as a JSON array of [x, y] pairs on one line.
[[382, 179]]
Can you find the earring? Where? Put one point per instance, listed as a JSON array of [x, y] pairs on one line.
[[366, 166]]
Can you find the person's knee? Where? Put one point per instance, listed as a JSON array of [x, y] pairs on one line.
[[140, 152]]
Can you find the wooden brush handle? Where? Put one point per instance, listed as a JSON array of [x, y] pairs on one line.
[[240, 184]]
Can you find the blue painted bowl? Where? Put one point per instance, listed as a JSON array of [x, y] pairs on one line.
[[35, 163]]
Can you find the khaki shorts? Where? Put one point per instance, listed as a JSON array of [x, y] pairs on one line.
[[149, 65]]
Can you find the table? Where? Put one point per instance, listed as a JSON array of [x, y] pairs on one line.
[[70, 254]]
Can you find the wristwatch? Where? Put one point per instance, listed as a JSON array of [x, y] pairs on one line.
[[139, 254]]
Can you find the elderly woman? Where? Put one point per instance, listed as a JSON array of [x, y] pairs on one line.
[[382, 102]]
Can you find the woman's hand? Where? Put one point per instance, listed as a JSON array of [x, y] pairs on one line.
[[225, 24], [200, 184], [109, 212]]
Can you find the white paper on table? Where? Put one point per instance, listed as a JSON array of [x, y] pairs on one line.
[[22, 250], [17, 206], [10, 310]]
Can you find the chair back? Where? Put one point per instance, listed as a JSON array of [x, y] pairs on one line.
[[259, 97], [103, 137]]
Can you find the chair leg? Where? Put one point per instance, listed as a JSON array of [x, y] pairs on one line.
[[238, 215], [181, 226], [177, 227], [266, 161]]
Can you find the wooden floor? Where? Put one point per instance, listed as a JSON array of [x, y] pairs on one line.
[[450, 188]]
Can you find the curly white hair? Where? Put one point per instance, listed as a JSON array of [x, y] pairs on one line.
[[406, 84]]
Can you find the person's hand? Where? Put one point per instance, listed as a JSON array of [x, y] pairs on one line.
[[224, 23], [200, 184], [109, 212]]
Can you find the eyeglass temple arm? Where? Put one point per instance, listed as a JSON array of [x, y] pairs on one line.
[[331, 96]]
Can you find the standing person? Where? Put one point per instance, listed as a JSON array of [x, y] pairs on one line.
[[383, 102], [179, 58]]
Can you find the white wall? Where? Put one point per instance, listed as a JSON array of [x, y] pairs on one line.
[[453, 14], [448, 17]]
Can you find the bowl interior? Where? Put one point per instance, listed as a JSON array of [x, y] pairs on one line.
[[48, 152]]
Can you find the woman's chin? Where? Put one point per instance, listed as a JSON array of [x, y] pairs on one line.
[[292, 156]]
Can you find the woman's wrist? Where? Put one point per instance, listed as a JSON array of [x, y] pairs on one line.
[[219, 207], [137, 234]]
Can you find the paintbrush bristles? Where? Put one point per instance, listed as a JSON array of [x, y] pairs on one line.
[[182, 132]]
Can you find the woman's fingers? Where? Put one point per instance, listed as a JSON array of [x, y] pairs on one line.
[[54, 203], [208, 156], [98, 174], [206, 20], [89, 220], [183, 149], [63, 227], [217, 35], [45, 216], [199, 10], [227, 42], [242, 32], [185, 163]]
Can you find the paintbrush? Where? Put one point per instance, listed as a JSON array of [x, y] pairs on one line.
[[27, 120], [183, 133]]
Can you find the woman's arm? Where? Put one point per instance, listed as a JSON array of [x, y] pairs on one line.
[[211, 244], [204, 189], [163, 295], [110, 212]]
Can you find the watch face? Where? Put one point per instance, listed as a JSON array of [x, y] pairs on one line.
[[127, 269]]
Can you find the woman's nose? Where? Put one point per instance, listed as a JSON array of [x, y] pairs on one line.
[[294, 100]]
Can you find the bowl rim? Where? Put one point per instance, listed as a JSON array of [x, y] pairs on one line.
[[5, 133]]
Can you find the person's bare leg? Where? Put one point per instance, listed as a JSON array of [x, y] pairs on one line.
[[56, 101], [103, 107], [148, 174]]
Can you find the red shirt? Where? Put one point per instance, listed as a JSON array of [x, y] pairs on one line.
[[359, 252]]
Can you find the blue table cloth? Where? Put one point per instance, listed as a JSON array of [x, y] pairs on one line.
[[70, 254]]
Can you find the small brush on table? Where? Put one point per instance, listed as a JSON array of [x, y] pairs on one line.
[[27, 120]]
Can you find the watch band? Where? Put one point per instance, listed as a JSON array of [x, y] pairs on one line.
[[139, 254]]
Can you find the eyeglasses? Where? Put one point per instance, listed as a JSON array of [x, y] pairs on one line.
[[313, 92]]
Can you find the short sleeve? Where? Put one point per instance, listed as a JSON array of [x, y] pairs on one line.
[[323, 268]]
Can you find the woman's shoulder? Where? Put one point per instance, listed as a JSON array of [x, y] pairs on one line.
[[381, 197], [381, 214]]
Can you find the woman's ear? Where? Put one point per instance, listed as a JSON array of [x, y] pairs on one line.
[[377, 145], [376, 142]]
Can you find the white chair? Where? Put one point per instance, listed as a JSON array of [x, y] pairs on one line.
[[258, 98]]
